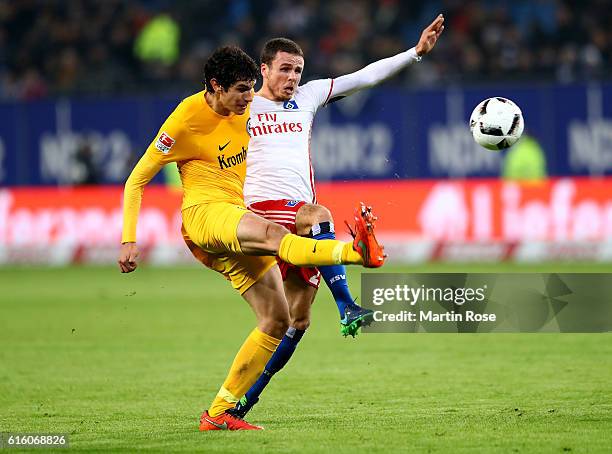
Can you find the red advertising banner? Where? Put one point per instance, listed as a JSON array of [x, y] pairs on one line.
[[434, 219], [482, 210], [90, 215]]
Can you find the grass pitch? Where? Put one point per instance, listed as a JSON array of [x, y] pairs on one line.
[[128, 362]]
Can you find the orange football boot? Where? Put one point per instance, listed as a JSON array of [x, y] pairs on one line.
[[364, 241], [225, 421]]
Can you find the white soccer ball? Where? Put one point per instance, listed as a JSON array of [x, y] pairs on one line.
[[496, 123]]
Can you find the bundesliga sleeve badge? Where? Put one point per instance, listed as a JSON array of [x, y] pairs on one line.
[[164, 143]]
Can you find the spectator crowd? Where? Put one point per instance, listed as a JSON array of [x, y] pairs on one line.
[[93, 47]]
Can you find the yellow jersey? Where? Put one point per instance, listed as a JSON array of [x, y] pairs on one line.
[[210, 150]]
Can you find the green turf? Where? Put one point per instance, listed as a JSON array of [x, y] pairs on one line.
[[128, 362]]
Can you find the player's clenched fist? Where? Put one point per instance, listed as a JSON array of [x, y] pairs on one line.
[[127, 257]]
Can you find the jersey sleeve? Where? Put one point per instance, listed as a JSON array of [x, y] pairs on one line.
[[372, 74], [170, 145], [318, 91], [144, 171], [173, 142]]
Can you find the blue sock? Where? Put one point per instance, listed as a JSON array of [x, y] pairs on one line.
[[333, 275], [278, 360]]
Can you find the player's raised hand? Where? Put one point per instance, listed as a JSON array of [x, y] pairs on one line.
[[127, 257], [430, 36]]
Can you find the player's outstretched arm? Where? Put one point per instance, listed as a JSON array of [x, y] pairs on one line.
[[380, 70], [144, 171]]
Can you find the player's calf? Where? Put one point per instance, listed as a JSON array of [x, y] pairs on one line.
[[352, 316], [258, 236], [278, 360], [267, 299]]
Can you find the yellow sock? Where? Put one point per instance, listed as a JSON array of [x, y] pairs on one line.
[[350, 255], [246, 368], [301, 251]]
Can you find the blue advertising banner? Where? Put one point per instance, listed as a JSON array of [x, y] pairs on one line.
[[382, 133], [10, 173]]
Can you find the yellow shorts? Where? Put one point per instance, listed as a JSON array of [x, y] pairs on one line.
[[209, 230]]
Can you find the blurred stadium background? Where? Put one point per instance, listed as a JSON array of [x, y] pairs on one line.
[[84, 86]]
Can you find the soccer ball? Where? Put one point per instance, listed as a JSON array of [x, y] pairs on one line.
[[496, 123]]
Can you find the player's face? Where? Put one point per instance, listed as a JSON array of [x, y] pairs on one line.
[[238, 96], [283, 75]]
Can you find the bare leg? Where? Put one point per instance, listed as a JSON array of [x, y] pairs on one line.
[[258, 236], [317, 219], [301, 296], [267, 298], [309, 215]]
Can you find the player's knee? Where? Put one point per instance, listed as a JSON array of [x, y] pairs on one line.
[[278, 327], [273, 236], [275, 325], [323, 214], [301, 323], [310, 215]]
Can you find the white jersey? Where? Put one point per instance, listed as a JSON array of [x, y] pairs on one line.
[[278, 160]]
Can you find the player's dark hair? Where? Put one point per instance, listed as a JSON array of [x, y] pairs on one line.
[[276, 45], [228, 65]]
